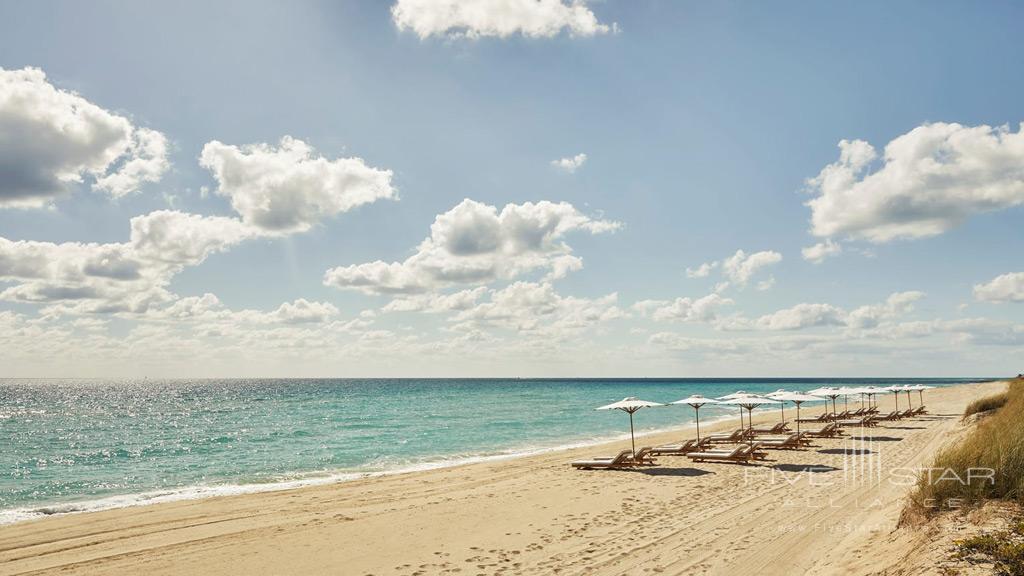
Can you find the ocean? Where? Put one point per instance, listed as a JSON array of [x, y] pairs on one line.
[[79, 445]]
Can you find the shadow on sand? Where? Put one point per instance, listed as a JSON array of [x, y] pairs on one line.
[[848, 451], [662, 471], [876, 438], [804, 468]]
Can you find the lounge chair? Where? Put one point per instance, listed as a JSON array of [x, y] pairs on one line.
[[778, 428], [819, 418], [742, 454], [894, 415], [867, 421], [920, 410], [644, 457], [680, 448], [735, 436], [827, 431], [790, 442], [907, 413], [623, 460]]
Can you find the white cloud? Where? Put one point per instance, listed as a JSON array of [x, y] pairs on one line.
[[741, 267], [570, 164], [50, 138], [536, 308], [686, 309], [1004, 288], [290, 188], [304, 311], [895, 305], [820, 251], [474, 243], [179, 238], [500, 18], [802, 316], [461, 300], [115, 277], [930, 180], [702, 271], [811, 315]]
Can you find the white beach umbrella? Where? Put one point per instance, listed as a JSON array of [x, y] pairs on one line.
[[828, 392], [750, 402], [798, 399], [733, 396], [871, 392], [695, 402], [920, 390], [846, 392], [896, 389], [629, 406], [782, 405]]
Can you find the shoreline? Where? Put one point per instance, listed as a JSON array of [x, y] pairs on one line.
[[43, 511], [523, 515]]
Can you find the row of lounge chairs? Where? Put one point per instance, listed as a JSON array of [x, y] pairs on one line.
[[750, 443]]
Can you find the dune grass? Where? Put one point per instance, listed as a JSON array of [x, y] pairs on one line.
[[1004, 549], [958, 475], [987, 403]]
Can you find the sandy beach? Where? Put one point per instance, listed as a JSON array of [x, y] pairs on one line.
[[821, 510]]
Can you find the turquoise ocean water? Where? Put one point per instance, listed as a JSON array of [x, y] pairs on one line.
[[76, 445]]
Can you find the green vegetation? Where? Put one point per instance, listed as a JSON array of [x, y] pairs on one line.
[[987, 464], [1005, 549], [985, 404]]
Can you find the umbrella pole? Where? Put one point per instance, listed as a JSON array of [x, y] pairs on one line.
[[797, 416], [696, 413], [632, 438]]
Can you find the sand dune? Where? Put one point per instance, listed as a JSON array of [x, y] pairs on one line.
[[822, 510]]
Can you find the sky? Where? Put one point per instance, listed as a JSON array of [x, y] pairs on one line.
[[432, 188]]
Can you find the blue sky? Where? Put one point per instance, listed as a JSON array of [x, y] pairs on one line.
[[701, 124]]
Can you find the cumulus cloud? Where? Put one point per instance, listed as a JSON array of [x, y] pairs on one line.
[[461, 300], [895, 305], [536, 308], [474, 243], [50, 138], [1004, 288], [290, 188], [802, 316], [739, 269], [685, 309], [820, 251], [702, 271], [928, 181], [570, 164], [115, 277], [498, 18]]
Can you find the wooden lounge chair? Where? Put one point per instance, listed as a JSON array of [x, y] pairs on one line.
[[623, 460], [819, 418], [680, 448], [867, 421], [736, 436], [644, 457], [778, 428], [741, 454], [894, 415], [790, 442], [907, 413], [827, 431], [920, 410]]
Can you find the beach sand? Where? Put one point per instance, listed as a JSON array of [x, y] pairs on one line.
[[536, 515]]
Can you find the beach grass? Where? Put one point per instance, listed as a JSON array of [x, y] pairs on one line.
[[1004, 549], [960, 473], [985, 404]]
